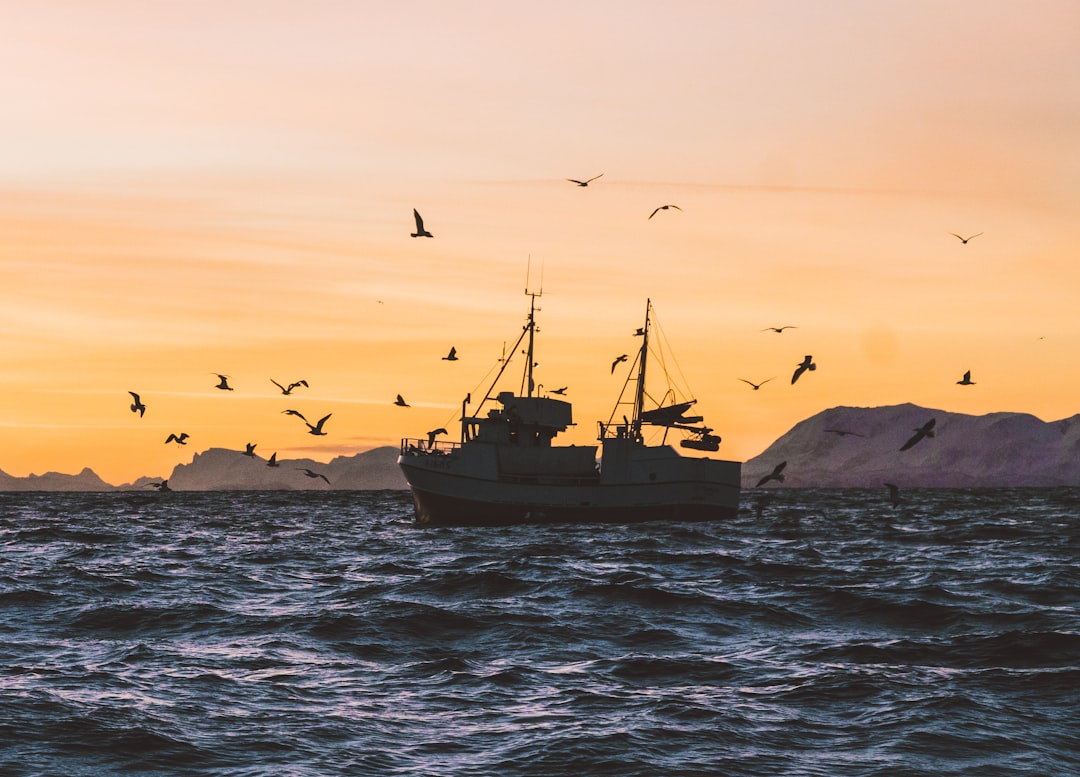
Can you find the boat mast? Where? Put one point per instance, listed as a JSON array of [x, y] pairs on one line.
[[531, 327], [639, 395]]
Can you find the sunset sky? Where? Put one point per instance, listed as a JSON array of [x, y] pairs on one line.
[[190, 188]]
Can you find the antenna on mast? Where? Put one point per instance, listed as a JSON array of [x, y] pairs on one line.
[[528, 277]]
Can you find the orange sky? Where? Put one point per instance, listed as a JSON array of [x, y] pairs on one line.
[[205, 187]]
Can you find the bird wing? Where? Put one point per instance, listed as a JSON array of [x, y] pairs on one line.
[[594, 178], [919, 434], [135, 397], [654, 213], [322, 421], [419, 221], [283, 389]]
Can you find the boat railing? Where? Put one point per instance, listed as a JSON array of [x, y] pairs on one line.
[[415, 446]]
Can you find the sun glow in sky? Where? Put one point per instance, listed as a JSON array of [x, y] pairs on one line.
[[205, 187]]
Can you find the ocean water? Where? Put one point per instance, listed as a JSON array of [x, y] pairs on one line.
[[819, 633]]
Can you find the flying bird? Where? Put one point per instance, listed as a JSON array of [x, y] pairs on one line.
[[224, 382], [777, 474], [926, 430], [179, 439], [615, 363], [312, 474], [894, 494], [272, 461], [965, 239], [452, 356], [420, 231], [250, 449], [288, 390], [316, 429], [585, 182], [400, 401], [137, 406], [966, 380], [755, 386], [844, 432], [559, 390], [807, 364], [432, 434], [663, 207], [778, 329]]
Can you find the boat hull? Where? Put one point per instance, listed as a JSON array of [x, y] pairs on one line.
[[443, 499]]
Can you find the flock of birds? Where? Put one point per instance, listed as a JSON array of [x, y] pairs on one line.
[[317, 428], [138, 406], [808, 365]]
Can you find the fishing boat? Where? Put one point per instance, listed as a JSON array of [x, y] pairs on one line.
[[506, 469]]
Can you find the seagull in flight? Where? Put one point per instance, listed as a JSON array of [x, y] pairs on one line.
[[420, 231], [179, 439], [585, 182], [926, 430], [777, 474], [559, 391], [400, 401], [316, 429], [778, 329], [615, 363], [663, 207], [966, 380], [807, 364], [755, 386], [137, 406], [250, 449], [312, 474], [288, 390], [452, 356], [433, 434], [965, 239], [224, 382]]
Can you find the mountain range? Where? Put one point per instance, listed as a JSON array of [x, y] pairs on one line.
[[219, 469], [860, 447], [842, 447]]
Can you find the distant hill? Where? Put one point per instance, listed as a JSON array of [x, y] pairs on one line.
[[218, 469], [54, 481], [859, 447]]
